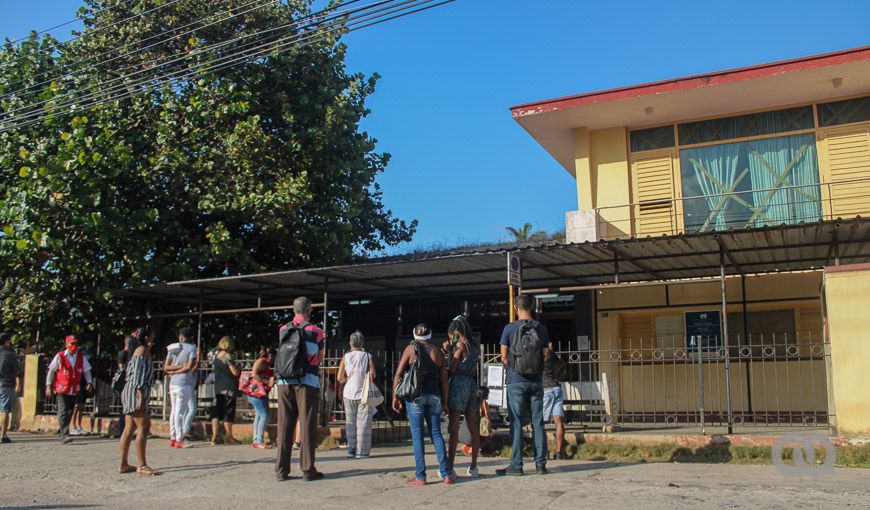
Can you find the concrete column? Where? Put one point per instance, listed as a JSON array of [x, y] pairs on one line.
[[848, 330], [30, 391], [583, 170]]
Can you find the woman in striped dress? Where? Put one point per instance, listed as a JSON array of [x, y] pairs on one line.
[[134, 401]]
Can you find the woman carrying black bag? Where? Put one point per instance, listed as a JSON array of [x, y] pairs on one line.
[[421, 379]]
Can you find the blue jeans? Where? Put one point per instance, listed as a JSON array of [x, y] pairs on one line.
[[191, 411], [428, 408], [522, 398], [261, 417]]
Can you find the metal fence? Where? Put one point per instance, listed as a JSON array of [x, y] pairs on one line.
[[774, 380]]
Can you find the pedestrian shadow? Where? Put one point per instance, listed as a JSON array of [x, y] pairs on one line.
[[48, 507], [219, 465]]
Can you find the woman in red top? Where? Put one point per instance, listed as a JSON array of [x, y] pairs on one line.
[[258, 395]]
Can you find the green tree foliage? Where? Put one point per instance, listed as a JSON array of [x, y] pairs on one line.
[[526, 234], [257, 167]]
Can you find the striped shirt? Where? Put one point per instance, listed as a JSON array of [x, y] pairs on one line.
[[313, 345], [140, 376]]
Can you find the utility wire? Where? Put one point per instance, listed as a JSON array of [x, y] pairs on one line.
[[97, 62], [122, 82], [70, 22], [368, 21]]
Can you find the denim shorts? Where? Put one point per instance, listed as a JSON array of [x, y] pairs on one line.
[[7, 397], [552, 403], [463, 395]]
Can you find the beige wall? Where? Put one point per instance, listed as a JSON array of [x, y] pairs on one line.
[[603, 179], [848, 322], [776, 386]]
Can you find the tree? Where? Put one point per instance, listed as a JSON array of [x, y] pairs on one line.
[[526, 234], [251, 168]]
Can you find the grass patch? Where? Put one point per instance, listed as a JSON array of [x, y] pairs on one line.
[[847, 456]]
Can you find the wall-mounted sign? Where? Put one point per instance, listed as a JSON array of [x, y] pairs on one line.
[[515, 270], [704, 327]]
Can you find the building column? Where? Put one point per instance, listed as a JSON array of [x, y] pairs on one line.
[[847, 326]]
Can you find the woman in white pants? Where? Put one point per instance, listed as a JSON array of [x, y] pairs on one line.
[[355, 366]]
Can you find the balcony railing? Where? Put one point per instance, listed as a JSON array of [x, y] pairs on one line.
[[786, 204]]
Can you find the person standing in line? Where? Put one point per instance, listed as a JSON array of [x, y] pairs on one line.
[[134, 403], [463, 400], [552, 377], [81, 398], [298, 398], [10, 384], [355, 366], [258, 395], [65, 374], [122, 359], [427, 409], [522, 352], [226, 383], [190, 417], [181, 363]]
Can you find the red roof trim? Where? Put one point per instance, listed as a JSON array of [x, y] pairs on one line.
[[693, 82]]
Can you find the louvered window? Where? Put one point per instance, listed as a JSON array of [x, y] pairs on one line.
[[653, 187], [848, 156]]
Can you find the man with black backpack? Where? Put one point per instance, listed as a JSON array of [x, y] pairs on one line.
[[297, 370], [522, 352]]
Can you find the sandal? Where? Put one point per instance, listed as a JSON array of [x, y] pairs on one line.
[[126, 469], [147, 471]]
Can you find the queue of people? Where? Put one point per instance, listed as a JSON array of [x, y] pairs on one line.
[[431, 381]]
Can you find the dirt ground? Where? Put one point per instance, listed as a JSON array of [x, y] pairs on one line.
[[38, 472]]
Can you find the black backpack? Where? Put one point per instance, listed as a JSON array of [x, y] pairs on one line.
[[526, 350], [291, 360]]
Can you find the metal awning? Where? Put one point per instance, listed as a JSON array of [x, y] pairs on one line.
[[479, 272]]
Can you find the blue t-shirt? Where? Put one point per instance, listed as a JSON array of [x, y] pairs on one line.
[[506, 335]]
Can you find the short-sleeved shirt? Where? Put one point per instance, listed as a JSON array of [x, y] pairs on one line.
[[549, 379], [8, 368], [225, 383], [313, 344], [181, 354], [506, 335]]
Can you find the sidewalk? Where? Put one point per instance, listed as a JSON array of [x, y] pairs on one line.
[[37, 472]]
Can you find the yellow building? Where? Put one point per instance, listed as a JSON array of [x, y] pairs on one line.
[[750, 149]]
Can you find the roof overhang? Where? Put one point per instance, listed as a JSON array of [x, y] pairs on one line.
[[464, 275], [552, 122]]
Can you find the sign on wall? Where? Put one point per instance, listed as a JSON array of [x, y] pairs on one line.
[[705, 327]]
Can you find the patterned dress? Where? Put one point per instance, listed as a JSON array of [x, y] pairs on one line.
[[140, 376]]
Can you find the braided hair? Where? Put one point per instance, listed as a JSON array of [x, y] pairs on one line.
[[460, 325]]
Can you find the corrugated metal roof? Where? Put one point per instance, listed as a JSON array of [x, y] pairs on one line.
[[482, 271]]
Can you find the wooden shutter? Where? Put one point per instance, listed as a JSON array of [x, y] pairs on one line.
[[653, 194], [636, 331], [847, 152]]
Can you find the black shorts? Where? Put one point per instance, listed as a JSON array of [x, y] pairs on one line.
[[81, 397], [223, 408]]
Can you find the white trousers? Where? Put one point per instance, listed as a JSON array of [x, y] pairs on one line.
[[179, 397]]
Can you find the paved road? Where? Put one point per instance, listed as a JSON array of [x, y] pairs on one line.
[[37, 472]]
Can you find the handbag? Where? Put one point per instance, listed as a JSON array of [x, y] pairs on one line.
[[119, 380], [485, 427], [371, 394], [250, 386], [410, 384]]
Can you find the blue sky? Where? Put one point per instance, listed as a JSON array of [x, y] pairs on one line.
[[460, 164]]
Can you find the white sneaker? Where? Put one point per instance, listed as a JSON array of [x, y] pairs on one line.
[[472, 472], [75, 432]]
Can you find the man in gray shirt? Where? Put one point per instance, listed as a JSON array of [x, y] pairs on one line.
[[181, 364], [10, 384]]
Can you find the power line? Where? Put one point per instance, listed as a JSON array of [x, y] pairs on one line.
[[294, 42], [97, 62], [33, 108], [70, 22]]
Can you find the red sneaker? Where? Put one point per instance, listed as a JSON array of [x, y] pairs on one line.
[[414, 482], [448, 480], [172, 443]]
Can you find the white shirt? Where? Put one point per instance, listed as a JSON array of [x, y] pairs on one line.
[[356, 364], [55, 365]]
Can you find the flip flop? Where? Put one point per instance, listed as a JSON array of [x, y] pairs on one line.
[[126, 469], [147, 471]]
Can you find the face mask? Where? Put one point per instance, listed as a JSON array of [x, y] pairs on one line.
[[72, 348]]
